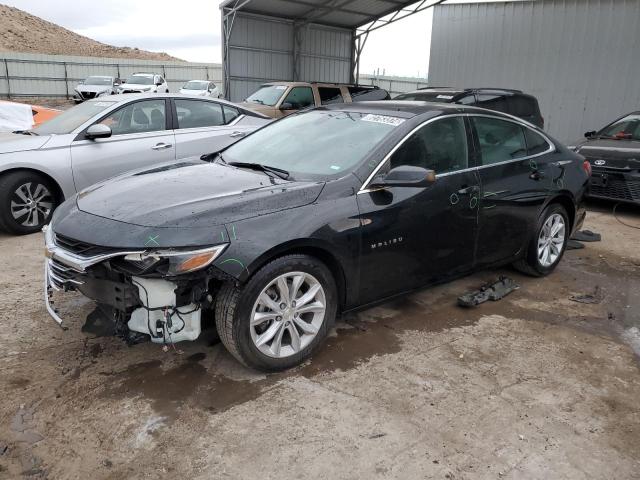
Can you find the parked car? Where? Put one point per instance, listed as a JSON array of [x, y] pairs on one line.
[[101, 138], [21, 116], [203, 88], [95, 86], [514, 102], [325, 211], [278, 99], [614, 154], [144, 83]]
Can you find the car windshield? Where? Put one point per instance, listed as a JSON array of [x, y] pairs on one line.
[[140, 80], [267, 95], [627, 128], [71, 119], [195, 85], [98, 81], [314, 145], [439, 97]]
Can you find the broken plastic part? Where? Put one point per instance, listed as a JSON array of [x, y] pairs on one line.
[[490, 291]]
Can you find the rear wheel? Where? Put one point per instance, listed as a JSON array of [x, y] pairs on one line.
[[27, 201], [548, 244], [280, 316]]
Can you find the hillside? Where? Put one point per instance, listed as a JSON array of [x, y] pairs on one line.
[[22, 32]]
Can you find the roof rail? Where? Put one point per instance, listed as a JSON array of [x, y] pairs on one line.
[[497, 89], [373, 87], [438, 86]]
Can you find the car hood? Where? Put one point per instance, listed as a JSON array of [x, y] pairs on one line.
[[623, 154], [193, 92], [93, 88], [193, 194], [13, 142]]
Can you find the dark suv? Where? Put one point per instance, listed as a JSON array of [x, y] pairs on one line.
[[514, 102]]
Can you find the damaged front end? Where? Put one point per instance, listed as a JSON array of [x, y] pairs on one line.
[[157, 292]]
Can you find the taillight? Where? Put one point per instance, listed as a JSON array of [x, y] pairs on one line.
[[586, 166]]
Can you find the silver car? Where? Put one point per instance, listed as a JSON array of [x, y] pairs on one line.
[[105, 137], [95, 86]]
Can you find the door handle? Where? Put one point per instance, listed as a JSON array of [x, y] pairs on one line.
[[537, 175], [237, 134], [161, 146]]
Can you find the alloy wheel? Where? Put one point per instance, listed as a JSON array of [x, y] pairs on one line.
[[31, 204], [551, 240], [288, 314]]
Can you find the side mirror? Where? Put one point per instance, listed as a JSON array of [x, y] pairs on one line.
[[158, 84], [287, 106], [406, 176], [98, 130], [590, 133]]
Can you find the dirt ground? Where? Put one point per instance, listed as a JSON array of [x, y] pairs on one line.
[[532, 386]]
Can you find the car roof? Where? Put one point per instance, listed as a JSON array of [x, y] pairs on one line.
[[402, 108], [413, 108], [457, 91], [320, 84], [146, 96]]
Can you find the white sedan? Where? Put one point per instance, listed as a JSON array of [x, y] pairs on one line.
[[104, 137], [202, 88]]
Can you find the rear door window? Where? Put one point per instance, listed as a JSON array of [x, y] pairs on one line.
[[300, 97], [197, 113], [329, 95], [499, 140]]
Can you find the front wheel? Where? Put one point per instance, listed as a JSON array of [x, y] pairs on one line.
[[548, 244], [280, 316], [27, 201]]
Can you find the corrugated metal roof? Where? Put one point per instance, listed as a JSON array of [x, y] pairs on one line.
[[336, 13]]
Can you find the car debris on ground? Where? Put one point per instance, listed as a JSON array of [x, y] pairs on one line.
[[595, 297], [491, 291]]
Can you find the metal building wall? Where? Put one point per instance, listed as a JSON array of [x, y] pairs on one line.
[[24, 74], [261, 49], [580, 58]]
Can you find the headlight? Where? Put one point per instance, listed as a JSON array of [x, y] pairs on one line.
[[176, 262]]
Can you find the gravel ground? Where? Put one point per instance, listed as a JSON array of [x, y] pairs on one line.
[[532, 386]]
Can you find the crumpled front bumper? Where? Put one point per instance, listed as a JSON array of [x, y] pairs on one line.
[[64, 270]]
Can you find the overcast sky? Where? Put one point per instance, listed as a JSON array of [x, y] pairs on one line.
[[191, 31]]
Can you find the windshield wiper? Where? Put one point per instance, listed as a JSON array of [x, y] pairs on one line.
[[264, 168], [26, 132], [255, 100]]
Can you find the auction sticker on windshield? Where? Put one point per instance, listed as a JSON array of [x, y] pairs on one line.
[[387, 120]]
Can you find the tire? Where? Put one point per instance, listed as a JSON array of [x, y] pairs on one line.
[[15, 190], [535, 261], [235, 307]]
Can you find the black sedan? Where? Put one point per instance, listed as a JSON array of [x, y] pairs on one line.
[[614, 154], [322, 212]]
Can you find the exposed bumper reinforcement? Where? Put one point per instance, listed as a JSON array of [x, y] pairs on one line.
[[48, 290]]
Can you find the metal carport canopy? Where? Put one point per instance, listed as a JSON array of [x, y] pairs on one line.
[[359, 16]]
